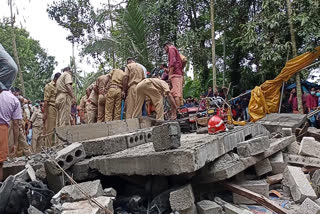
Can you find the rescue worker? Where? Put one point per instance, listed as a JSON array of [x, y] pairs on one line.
[[114, 86], [65, 98], [134, 74], [37, 128], [82, 109], [92, 104], [49, 110], [101, 82], [155, 89]]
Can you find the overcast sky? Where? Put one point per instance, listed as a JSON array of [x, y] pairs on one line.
[[52, 37]]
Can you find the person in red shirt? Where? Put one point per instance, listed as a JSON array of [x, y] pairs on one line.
[[175, 73], [312, 100]]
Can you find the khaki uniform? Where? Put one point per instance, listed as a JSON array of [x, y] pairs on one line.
[[135, 75], [37, 125], [83, 103], [63, 100], [23, 147], [50, 96], [101, 82], [155, 89], [92, 106], [113, 96]]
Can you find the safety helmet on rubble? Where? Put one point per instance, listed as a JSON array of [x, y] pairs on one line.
[[215, 125]]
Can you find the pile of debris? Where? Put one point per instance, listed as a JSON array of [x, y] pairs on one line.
[[147, 166]]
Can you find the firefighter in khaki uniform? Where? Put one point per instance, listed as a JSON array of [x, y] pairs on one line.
[[65, 98], [134, 75], [155, 89], [114, 86], [92, 104], [49, 110], [101, 82], [37, 129]]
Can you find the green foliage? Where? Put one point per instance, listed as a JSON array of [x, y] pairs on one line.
[[37, 66]]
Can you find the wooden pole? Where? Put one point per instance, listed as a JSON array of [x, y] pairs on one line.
[[214, 75], [294, 52]]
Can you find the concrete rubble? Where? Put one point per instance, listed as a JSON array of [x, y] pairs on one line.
[[147, 166]]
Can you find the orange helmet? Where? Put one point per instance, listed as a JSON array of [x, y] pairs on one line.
[[215, 125]]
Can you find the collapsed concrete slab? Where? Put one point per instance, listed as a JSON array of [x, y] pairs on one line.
[[221, 170], [301, 160], [253, 146], [258, 186], [182, 199], [309, 147], [71, 193], [195, 151], [275, 122], [300, 188], [70, 155], [88, 207], [309, 207]]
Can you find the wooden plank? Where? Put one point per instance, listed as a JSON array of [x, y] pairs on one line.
[[267, 203], [274, 179]]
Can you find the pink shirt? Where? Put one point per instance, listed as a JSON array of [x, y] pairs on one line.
[[175, 60], [312, 101], [10, 108]]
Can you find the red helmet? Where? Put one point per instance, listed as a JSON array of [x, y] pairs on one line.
[[215, 125]]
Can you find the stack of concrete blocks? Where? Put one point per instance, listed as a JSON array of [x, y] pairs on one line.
[[258, 186], [72, 200], [182, 200], [297, 182], [166, 136]]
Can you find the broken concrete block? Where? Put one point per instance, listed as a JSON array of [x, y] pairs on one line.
[[105, 145], [70, 155], [310, 147], [277, 163], [230, 208], [81, 171], [110, 192], [293, 148], [287, 131], [71, 193], [135, 138], [309, 207], [182, 199], [209, 207], [166, 136], [33, 210], [258, 186], [88, 207], [301, 160], [253, 146], [316, 178], [263, 167], [298, 183]]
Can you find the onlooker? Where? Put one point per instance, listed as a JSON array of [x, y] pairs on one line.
[[293, 101], [10, 109], [209, 93], [312, 104]]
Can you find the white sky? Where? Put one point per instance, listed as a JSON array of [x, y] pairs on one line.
[[52, 37]]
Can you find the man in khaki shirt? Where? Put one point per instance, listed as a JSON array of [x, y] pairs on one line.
[[155, 89], [50, 113], [134, 74], [36, 121], [65, 98], [101, 83], [114, 86], [92, 104]]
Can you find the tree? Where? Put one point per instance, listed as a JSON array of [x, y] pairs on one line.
[[37, 65]]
